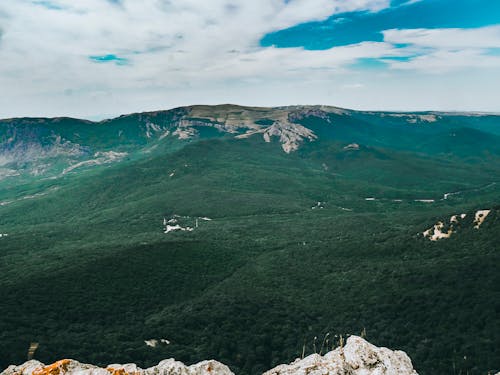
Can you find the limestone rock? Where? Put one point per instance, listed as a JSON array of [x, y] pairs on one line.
[[358, 357], [290, 135], [72, 367]]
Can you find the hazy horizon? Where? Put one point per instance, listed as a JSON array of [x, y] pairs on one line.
[[98, 118], [97, 59]]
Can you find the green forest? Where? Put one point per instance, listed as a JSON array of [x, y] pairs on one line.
[[300, 247]]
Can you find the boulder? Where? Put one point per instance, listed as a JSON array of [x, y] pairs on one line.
[[358, 357]]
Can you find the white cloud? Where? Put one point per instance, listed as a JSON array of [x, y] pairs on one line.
[[171, 45], [441, 61], [353, 86], [438, 50], [299, 11], [483, 37], [189, 51]]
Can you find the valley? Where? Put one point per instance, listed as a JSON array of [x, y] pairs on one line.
[[242, 233]]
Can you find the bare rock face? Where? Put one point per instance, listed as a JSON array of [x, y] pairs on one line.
[[71, 367], [358, 357], [246, 122], [290, 135]]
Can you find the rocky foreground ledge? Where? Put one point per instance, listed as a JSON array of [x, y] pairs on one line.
[[357, 357]]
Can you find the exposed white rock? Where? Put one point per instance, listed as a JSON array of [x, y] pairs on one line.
[[428, 118], [152, 129], [3, 235], [64, 366], [245, 122], [352, 146], [267, 137], [30, 196], [151, 342], [290, 135], [447, 195], [480, 217], [425, 200], [318, 205], [414, 118], [72, 367], [358, 357], [455, 218], [173, 228], [436, 232], [174, 223], [100, 158], [28, 367], [171, 225], [164, 135], [184, 133], [370, 199]]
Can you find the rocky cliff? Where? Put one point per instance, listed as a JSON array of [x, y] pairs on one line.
[[357, 357]]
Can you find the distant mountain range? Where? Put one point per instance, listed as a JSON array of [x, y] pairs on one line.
[[51, 147]]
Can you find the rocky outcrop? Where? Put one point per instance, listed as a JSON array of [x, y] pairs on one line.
[[290, 135], [446, 228], [71, 367], [357, 357], [279, 122], [479, 217]]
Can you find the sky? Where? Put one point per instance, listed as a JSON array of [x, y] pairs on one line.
[[101, 58]]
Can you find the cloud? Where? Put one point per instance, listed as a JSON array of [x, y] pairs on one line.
[[48, 4], [117, 56], [169, 42], [299, 11], [440, 61], [483, 37], [438, 50], [353, 86]]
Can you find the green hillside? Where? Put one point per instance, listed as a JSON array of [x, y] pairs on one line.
[[325, 238]]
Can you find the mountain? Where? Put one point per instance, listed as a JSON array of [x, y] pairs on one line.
[[241, 234], [38, 147]]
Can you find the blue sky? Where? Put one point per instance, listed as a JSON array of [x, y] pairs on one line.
[[100, 58], [355, 27]]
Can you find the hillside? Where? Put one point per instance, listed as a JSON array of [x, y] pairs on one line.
[[303, 221]]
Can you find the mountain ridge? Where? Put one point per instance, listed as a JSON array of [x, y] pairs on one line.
[[238, 106], [326, 238]]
